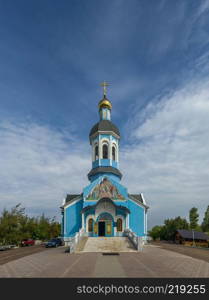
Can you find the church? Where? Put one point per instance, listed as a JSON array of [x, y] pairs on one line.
[[104, 207]]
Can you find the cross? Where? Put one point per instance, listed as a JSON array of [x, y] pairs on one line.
[[104, 85]]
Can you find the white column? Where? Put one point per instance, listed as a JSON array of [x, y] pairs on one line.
[[117, 155], [93, 152], [83, 225], [127, 221], [110, 150], [100, 150]]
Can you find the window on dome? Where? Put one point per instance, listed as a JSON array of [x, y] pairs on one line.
[[90, 225], [105, 151], [96, 152], [119, 225], [113, 153]]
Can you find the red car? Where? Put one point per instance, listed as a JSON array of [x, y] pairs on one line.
[[27, 242]]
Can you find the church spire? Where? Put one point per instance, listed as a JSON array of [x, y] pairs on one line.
[[104, 84], [105, 105]]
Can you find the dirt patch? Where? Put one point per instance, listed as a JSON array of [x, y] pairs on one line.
[[198, 253], [13, 254]]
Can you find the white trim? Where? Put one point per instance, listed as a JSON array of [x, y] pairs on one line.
[[63, 201], [103, 132], [103, 142], [123, 222], [110, 156], [93, 150], [143, 198], [82, 220], [100, 150], [65, 224], [146, 222], [127, 221], [87, 220]]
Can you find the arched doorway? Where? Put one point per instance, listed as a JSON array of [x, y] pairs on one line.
[[105, 224]]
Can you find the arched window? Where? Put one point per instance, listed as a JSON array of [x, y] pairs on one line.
[[90, 225], [105, 151], [96, 152], [119, 224], [113, 153]]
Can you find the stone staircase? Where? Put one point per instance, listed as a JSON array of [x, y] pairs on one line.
[[81, 244], [105, 244]]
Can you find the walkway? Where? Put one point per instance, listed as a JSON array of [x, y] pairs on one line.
[[151, 262]]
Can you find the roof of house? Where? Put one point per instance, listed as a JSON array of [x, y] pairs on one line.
[[86, 208], [71, 197], [188, 234], [97, 170], [104, 125], [136, 197]]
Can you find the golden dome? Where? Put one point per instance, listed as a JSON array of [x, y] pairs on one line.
[[105, 103]]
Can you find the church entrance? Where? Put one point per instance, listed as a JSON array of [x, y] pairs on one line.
[[102, 228], [104, 225]]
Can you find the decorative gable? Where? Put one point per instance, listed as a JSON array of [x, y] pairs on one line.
[[105, 189]]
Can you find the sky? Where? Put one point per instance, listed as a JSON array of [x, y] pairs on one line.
[[53, 57]]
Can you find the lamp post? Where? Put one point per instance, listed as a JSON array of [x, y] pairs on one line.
[[193, 237]]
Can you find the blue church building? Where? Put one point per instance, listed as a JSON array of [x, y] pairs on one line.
[[104, 207]]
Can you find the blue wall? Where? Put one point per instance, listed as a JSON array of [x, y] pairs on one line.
[[73, 218], [136, 218]]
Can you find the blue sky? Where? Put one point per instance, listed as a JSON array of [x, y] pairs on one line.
[[53, 56]]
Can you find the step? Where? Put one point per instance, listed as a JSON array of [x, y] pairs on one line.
[[108, 244]]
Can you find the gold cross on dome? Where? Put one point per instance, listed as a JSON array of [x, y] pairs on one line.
[[104, 85]]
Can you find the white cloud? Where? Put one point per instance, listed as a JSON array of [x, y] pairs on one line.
[[39, 166], [168, 160]]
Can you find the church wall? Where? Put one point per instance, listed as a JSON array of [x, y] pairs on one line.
[[114, 164], [105, 162], [136, 220], [105, 136], [73, 219]]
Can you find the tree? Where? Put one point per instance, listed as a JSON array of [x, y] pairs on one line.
[[168, 230], [193, 218], [205, 223], [15, 226]]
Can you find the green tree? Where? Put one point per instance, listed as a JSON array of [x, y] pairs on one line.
[[171, 226], [155, 232], [168, 230], [15, 226], [193, 218], [205, 223], [10, 225]]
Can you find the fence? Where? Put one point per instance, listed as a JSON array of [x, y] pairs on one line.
[[137, 241]]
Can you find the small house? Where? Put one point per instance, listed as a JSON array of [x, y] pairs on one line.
[[191, 238]]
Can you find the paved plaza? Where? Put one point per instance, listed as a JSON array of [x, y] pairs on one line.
[[153, 261]]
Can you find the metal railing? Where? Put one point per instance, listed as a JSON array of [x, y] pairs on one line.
[[137, 241], [72, 242]]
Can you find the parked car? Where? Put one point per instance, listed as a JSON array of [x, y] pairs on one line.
[[27, 242], [55, 242]]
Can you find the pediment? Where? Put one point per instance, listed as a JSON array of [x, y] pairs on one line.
[[105, 189]]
